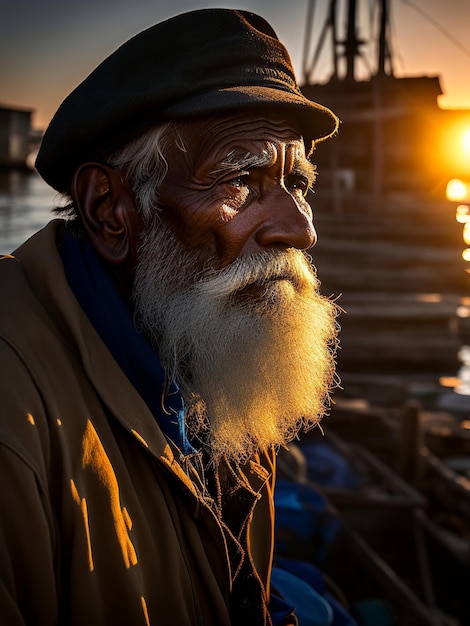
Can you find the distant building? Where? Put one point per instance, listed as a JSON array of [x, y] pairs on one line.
[[15, 131]]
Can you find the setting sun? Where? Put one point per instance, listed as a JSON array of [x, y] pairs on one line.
[[466, 142], [455, 147]]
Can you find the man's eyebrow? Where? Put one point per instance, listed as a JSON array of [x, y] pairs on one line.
[[303, 167], [237, 160]]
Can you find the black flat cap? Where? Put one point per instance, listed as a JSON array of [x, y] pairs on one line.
[[197, 63]]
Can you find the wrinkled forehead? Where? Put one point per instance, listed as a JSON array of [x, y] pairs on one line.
[[229, 139]]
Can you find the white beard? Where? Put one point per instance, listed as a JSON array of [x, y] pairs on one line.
[[251, 346]]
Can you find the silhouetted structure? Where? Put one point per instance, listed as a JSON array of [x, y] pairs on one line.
[[391, 138], [15, 129]]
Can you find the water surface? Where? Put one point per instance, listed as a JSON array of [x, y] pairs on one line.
[[25, 207]]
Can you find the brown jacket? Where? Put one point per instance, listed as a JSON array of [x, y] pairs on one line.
[[99, 522]]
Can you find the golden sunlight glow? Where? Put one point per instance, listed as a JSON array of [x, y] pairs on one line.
[[462, 213], [463, 311], [454, 154], [449, 381], [466, 254], [457, 190], [466, 142], [429, 297], [145, 610], [466, 233], [84, 510], [95, 459]]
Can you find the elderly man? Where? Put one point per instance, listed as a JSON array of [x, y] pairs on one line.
[[162, 340]]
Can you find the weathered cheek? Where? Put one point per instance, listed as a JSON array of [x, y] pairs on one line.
[[211, 225], [206, 216], [183, 210], [232, 235]]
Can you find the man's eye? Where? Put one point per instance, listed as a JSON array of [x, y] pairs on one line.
[[239, 181], [294, 183]]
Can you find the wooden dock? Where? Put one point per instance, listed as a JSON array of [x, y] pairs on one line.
[[398, 272]]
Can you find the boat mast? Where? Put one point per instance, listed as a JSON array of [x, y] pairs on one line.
[[384, 48], [350, 43]]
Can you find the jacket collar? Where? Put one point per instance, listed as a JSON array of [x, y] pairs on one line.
[[45, 270]]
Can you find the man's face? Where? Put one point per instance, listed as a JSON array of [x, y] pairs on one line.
[[238, 188], [223, 295]]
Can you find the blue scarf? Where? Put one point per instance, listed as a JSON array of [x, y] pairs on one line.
[[112, 319]]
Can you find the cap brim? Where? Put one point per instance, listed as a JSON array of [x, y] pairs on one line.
[[316, 122]]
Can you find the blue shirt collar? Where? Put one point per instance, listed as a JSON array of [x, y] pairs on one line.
[[112, 319]]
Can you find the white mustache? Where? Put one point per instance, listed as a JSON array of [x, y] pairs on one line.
[[259, 269]]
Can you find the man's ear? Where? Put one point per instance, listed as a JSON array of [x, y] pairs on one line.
[[108, 212]]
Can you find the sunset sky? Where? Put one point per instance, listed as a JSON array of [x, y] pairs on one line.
[[48, 46]]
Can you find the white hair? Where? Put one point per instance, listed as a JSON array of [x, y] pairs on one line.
[[144, 162]]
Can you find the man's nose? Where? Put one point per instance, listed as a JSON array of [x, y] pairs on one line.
[[288, 223]]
